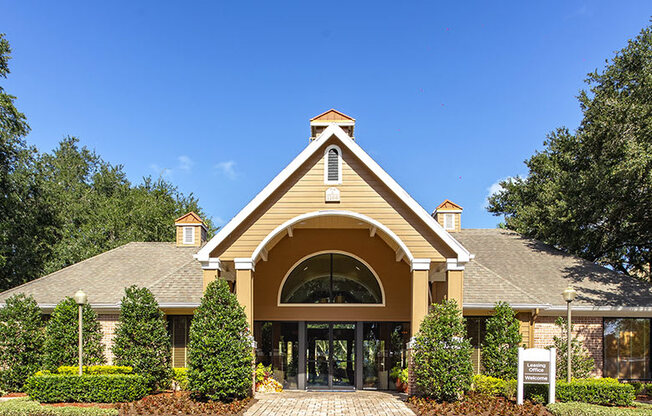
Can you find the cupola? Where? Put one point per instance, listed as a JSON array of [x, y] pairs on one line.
[[449, 215], [191, 230], [319, 123]]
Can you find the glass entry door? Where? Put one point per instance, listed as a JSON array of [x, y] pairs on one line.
[[330, 355]]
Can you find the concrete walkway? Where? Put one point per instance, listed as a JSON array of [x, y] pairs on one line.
[[300, 403]]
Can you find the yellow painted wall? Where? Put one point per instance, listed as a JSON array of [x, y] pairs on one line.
[[360, 192]]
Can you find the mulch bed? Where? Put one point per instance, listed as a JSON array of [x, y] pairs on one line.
[[476, 405], [180, 403]]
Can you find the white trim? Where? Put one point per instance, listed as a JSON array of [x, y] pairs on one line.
[[325, 213], [447, 211], [453, 264], [355, 149], [192, 235], [244, 263], [181, 224], [287, 274], [213, 263], [339, 165], [420, 264], [547, 309], [328, 123]]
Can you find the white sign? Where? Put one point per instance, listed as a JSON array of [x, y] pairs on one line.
[[536, 366], [332, 195]]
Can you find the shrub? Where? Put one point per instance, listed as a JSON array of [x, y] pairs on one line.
[[499, 350], [581, 361], [25, 407], [101, 388], [493, 386], [141, 339], [95, 369], [263, 372], [21, 341], [181, 378], [61, 336], [441, 355], [585, 409], [603, 391], [220, 353]]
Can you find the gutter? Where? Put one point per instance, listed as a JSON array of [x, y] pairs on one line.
[[115, 307], [584, 310]]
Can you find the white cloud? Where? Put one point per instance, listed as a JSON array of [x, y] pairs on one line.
[[219, 221], [159, 171], [185, 163], [227, 169], [493, 189]]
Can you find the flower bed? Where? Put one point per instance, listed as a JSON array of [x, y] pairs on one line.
[[476, 405], [181, 403]]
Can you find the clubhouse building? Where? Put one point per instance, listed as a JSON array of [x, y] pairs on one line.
[[336, 266]]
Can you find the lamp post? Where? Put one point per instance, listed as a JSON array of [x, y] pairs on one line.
[[81, 299], [569, 295]]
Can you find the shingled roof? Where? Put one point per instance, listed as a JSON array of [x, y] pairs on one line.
[[519, 270], [170, 272]]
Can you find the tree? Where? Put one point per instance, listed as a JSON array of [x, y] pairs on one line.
[[588, 193], [61, 336], [582, 364], [21, 341], [141, 337], [26, 220], [500, 346], [220, 352], [442, 355]]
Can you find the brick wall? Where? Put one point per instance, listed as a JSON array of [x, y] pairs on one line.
[[588, 329], [108, 323]]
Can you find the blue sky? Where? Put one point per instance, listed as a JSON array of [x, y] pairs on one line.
[[449, 97]]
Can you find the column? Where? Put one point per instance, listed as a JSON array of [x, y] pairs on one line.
[[420, 271], [455, 283], [244, 287]]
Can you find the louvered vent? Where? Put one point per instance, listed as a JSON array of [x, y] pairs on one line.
[[333, 166]]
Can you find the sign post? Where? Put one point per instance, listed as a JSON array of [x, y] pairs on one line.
[[536, 366]]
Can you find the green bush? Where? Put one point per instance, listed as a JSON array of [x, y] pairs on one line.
[[262, 372], [141, 338], [499, 350], [442, 355], [220, 353], [181, 378], [21, 341], [585, 409], [95, 369], [101, 388], [603, 391], [581, 361], [25, 407], [493, 386], [61, 336]]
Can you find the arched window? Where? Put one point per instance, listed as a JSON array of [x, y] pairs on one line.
[[331, 278], [333, 165]]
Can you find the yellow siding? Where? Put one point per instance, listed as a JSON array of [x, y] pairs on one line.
[[525, 320], [360, 192]]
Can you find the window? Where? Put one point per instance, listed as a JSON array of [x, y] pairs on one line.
[[331, 278], [188, 235], [333, 165], [627, 348], [449, 221]]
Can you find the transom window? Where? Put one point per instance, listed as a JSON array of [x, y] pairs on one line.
[[331, 278]]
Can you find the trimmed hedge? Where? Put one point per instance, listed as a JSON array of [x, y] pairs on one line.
[[585, 409], [181, 378], [72, 370], [25, 407], [603, 391], [99, 388]]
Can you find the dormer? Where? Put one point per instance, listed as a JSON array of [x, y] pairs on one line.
[[319, 123], [191, 230], [449, 215]]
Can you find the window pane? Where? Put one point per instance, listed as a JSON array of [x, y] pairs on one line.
[[627, 348], [309, 282], [353, 282]]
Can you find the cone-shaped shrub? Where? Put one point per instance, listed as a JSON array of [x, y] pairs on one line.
[[141, 338], [442, 355], [220, 351], [21, 341], [61, 336], [499, 350]]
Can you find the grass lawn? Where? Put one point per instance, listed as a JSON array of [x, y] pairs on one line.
[[584, 409]]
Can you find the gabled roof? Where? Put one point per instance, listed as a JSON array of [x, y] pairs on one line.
[[189, 218], [332, 115], [333, 130], [449, 205]]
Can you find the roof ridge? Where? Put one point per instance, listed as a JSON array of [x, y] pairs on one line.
[[507, 281], [13, 289]]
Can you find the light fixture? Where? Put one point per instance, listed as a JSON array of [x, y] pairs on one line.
[[80, 297], [569, 294]]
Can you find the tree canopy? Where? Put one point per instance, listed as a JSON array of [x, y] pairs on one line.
[[589, 192], [62, 207]]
